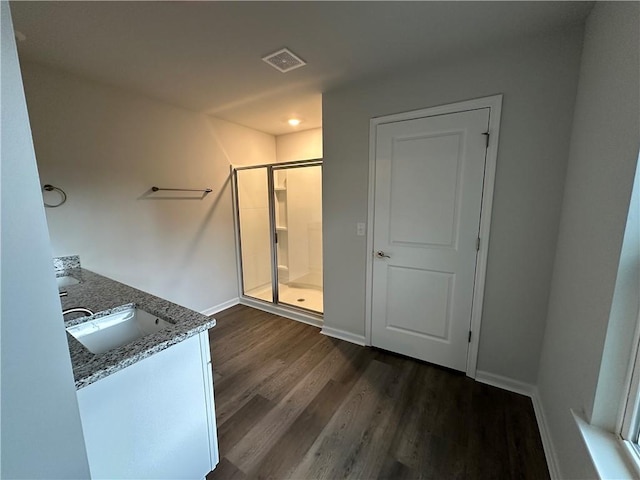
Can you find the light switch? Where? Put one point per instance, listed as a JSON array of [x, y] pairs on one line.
[[360, 229]]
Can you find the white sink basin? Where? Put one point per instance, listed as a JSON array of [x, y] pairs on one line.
[[117, 329], [66, 281]]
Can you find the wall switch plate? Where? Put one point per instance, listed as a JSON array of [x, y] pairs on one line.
[[360, 229]]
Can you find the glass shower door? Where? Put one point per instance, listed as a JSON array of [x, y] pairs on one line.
[[297, 195], [254, 219]]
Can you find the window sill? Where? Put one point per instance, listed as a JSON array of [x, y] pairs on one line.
[[611, 456]]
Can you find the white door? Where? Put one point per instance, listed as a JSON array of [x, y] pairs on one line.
[[429, 176]]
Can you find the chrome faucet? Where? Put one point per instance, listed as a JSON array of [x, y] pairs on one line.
[[86, 311]]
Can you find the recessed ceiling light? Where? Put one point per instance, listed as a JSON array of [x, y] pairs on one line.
[[294, 122]]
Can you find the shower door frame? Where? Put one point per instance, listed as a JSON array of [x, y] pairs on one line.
[[275, 306]]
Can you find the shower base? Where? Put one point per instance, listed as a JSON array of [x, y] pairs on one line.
[[309, 298]]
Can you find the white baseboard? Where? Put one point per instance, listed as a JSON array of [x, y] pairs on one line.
[[297, 315], [221, 306], [530, 391], [344, 335], [545, 435], [505, 383]]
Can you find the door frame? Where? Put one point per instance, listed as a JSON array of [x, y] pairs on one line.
[[292, 312], [494, 103]]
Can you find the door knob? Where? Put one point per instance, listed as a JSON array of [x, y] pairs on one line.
[[381, 254]]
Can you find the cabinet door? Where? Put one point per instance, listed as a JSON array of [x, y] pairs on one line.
[[207, 370], [151, 419]]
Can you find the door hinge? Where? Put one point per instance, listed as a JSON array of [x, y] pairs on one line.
[[469, 336], [486, 136], [478, 244], [276, 239]]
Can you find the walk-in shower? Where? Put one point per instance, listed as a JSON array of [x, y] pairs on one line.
[[279, 220]]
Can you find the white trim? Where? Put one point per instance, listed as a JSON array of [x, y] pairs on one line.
[[545, 436], [505, 383], [368, 301], [494, 103], [221, 306], [631, 455], [606, 450], [308, 318], [531, 391], [343, 335], [465, 105], [629, 412]]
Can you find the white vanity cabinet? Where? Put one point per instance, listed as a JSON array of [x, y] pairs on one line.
[[155, 418]]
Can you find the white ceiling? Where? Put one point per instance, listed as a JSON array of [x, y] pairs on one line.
[[206, 56]]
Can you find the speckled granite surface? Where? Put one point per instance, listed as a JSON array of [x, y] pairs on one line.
[[62, 264], [103, 296]]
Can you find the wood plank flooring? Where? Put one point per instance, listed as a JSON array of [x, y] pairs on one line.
[[293, 403]]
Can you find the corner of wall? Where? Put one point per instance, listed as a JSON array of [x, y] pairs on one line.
[[602, 159], [305, 145], [531, 391], [41, 429]]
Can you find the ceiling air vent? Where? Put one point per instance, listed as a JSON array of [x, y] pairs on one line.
[[284, 60]]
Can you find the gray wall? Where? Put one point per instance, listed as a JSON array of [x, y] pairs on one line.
[[41, 431], [106, 147], [602, 162], [538, 77]]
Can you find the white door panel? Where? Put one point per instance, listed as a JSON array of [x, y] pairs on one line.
[[424, 190], [428, 195], [421, 302]]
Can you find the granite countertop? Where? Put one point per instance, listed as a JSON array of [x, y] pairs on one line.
[[103, 296]]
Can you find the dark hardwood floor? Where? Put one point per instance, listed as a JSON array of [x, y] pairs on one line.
[[293, 403]]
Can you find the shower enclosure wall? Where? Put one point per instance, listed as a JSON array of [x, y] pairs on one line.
[[279, 219]]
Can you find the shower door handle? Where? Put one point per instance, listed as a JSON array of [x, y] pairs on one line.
[[381, 254]]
